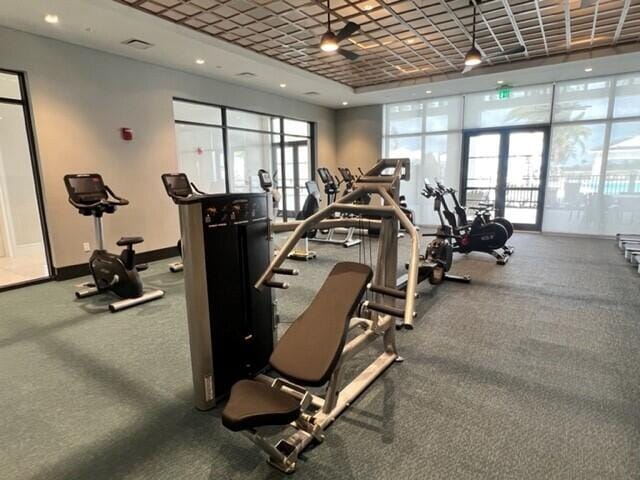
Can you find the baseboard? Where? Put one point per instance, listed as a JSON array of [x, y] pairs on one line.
[[81, 270]]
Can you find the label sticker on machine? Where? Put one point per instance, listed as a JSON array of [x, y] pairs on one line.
[[208, 388]]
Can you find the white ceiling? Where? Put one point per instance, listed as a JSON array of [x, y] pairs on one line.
[[104, 25]]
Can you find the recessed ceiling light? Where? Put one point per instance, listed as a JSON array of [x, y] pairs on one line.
[[200, 61], [411, 40], [500, 82], [345, 103], [588, 69], [283, 85], [51, 18], [428, 91]]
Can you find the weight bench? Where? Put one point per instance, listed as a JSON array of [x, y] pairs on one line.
[[310, 354]]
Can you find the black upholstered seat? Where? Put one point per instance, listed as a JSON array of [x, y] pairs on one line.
[[253, 404], [307, 353], [125, 241]]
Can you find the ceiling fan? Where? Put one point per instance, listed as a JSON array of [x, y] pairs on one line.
[[330, 41], [473, 58]]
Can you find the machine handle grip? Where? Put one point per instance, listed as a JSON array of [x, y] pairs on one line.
[[386, 309], [196, 189], [391, 292], [274, 284], [286, 271], [118, 200]]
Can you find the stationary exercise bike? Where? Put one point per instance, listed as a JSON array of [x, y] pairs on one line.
[[482, 211], [178, 187], [476, 236], [115, 273]]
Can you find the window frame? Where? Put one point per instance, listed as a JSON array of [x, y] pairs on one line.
[[25, 103], [311, 138]]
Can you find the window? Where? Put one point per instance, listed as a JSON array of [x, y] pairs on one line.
[[524, 106], [593, 176], [592, 184], [428, 133], [23, 246], [582, 100], [215, 142]]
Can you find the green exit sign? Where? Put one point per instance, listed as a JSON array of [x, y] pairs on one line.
[[504, 92]]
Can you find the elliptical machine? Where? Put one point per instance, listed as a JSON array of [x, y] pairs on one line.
[[178, 187], [483, 214], [331, 189], [311, 205], [438, 256], [476, 236], [115, 273]]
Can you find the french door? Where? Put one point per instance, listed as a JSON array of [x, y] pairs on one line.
[[507, 167]]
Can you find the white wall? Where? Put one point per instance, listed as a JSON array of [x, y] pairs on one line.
[[81, 97], [358, 136]]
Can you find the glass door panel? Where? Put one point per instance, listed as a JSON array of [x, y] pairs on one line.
[[524, 169], [506, 167], [482, 168], [23, 256]]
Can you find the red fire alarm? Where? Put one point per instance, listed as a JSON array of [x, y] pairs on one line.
[[127, 134]]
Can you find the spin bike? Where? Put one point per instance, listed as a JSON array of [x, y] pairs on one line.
[[178, 187], [114, 273], [476, 236], [482, 211]]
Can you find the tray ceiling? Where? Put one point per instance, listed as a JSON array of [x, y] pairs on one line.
[[403, 40]]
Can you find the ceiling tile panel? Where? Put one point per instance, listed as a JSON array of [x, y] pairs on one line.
[[402, 39]]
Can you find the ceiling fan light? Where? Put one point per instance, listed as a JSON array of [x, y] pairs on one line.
[[328, 43], [472, 57]]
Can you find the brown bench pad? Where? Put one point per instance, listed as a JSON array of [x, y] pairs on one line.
[[309, 350], [254, 404]]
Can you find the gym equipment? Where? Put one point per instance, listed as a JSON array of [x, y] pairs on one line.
[[331, 189], [178, 187], [438, 257], [624, 239], [232, 326], [268, 185], [315, 349], [310, 206], [349, 180], [111, 273], [476, 236], [482, 212], [630, 245]]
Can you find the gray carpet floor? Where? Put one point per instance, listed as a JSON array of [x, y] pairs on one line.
[[532, 371]]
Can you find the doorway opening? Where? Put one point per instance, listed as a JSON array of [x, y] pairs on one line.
[[24, 249], [507, 167]]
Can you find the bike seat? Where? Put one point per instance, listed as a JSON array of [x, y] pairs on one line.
[[126, 241]]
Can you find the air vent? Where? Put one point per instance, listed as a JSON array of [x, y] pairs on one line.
[[311, 93], [246, 75], [137, 44]]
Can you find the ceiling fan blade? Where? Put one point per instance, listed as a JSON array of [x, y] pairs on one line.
[[349, 29], [348, 54], [506, 53]]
